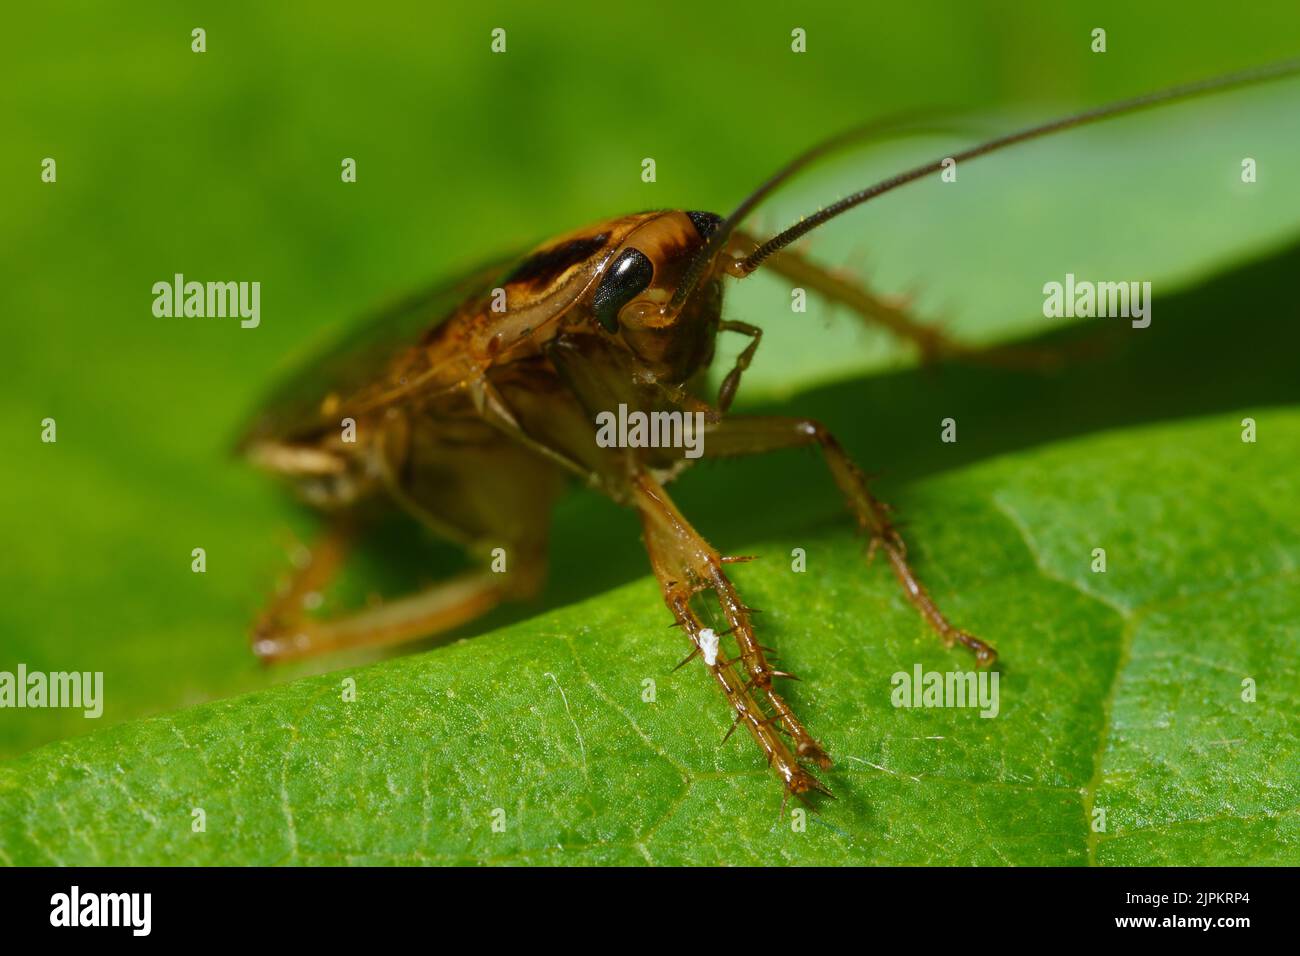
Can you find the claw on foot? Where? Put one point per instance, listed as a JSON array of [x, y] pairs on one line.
[[985, 655], [813, 751], [801, 782]]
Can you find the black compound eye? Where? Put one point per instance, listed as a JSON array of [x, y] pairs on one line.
[[626, 278]]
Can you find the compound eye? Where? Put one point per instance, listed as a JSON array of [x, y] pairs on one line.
[[628, 277]]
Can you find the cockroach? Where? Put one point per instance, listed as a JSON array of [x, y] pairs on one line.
[[471, 407]]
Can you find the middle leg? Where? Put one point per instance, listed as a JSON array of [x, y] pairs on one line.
[[756, 435]]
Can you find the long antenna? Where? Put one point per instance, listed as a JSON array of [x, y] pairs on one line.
[[1245, 77], [902, 124]]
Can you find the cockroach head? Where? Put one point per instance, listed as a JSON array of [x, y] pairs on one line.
[[641, 278]]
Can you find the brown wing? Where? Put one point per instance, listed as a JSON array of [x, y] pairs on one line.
[[294, 408], [371, 367]]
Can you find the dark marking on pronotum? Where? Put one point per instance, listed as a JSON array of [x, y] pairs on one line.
[[549, 264], [705, 222]]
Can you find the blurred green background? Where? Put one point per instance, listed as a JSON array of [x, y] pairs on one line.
[[225, 166]]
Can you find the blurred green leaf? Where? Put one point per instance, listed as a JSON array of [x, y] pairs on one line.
[[1153, 197], [1120, 692]]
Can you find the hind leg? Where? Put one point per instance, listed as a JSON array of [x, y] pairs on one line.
[[492, 498], [440, 607], [889, 313]]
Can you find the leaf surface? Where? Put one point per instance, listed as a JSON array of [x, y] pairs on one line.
[[1119, 692]]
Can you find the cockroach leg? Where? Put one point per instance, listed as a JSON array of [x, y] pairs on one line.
[[685, 565], [496, 411], [286, 631], [934, 344], [437, 608], [314, 569], [756, 435], [727, 392]]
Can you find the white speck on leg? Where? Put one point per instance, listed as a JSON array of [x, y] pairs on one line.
[[709, 646]]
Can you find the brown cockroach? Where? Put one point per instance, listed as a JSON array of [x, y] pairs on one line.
[[471, 406]]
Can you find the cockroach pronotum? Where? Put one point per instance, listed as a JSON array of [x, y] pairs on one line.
[[471, 406]]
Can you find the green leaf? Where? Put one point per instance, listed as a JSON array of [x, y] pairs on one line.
[[1120, 692]]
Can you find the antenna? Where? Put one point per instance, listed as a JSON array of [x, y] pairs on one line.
[[1218, 84]]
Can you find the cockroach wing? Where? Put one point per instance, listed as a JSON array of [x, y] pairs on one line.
[[297, 408]]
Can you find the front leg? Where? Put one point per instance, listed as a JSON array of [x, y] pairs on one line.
[[757, 435], [686, 565], [727, 391]]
